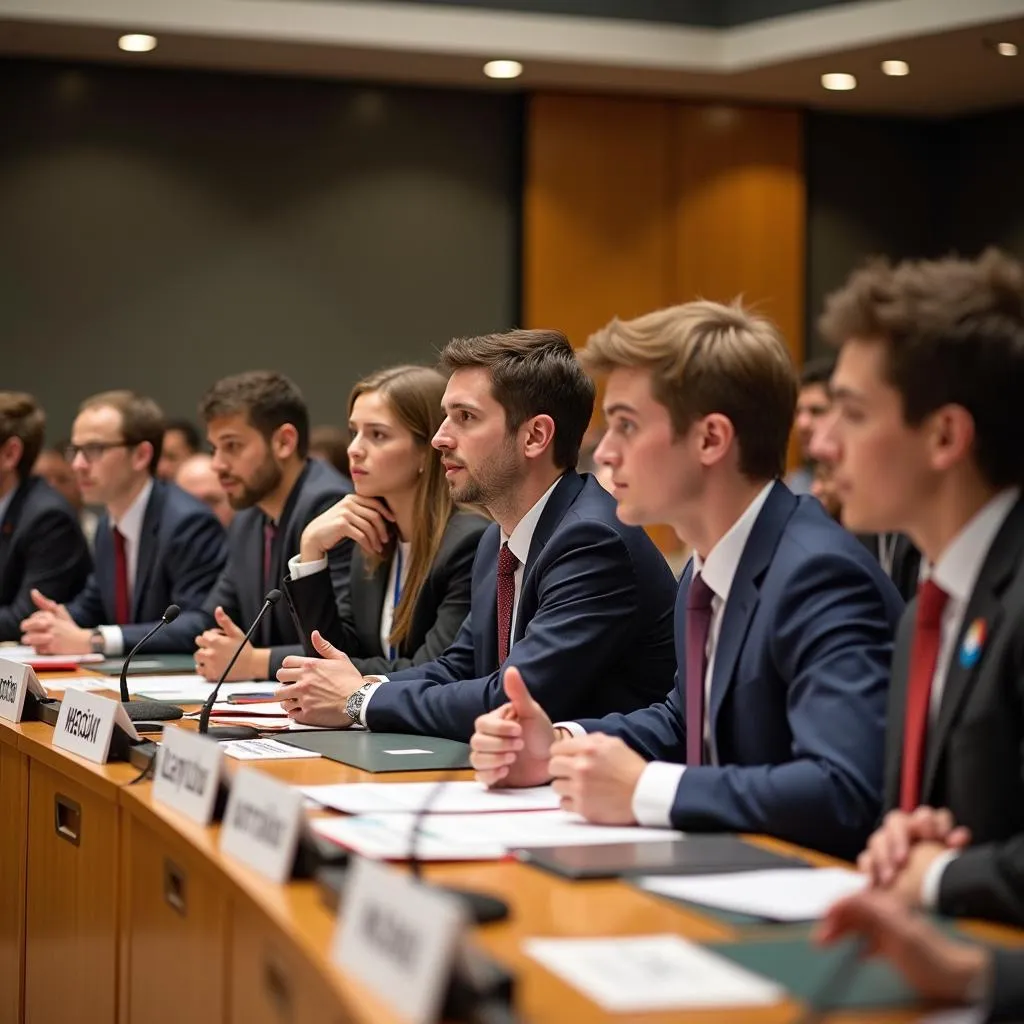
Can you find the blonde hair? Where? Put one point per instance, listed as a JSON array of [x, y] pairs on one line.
[[706, 357]]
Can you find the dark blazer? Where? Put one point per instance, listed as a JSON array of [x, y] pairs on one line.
[[798, 692], [241, 588], [181, 551], [1006, 1002], [906, 561], [974, 763], [42, 546], [354, 626], [593, 630]]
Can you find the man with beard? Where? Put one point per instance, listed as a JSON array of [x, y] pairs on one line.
[[155, 544], [258, 427], [578, 601]]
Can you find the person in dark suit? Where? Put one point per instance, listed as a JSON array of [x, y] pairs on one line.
[[258, 426], [155, 544], [41, 543], [784, 622], [560, 587], [408, 590], [927, 430]]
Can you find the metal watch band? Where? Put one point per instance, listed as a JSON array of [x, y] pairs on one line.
[[355, 702]]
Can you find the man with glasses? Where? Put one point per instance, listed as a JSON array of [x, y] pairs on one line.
[[155, 544]]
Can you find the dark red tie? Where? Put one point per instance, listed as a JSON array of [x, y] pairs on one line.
[[924, 654], [507, 565], [698, 624], [122, 605], [269, 533]]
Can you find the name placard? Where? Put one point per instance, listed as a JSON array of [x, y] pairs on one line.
[[16, 681], [261, 823], [399, 937], [187, 773], [86, 723]]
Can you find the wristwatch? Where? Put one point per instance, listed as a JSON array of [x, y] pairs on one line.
[[354, 704], [96, 642]]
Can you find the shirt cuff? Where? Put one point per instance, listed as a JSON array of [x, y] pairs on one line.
[[655, 794], [574, 729], [113, 640], [366, 701], [297, 569], [932, 880]]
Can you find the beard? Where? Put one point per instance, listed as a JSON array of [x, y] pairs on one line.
[[491, 484], [265, 480]]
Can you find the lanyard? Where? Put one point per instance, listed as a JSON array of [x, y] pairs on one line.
[[392, 653]]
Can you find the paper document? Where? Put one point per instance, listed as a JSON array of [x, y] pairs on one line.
[[651, 972], [388, 837], [23, 655], [86, 684], [264, 750], [264, 709], [186, 688], [786, 894], [444, 797]]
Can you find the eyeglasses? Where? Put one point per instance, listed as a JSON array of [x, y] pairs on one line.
[[93, 450]]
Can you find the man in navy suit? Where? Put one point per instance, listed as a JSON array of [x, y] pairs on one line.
[[258, 426], [155, 545], [784, 621], [41, 543], [579, 601]]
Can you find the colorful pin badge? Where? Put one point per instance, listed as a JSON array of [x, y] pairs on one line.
[[973, 643]]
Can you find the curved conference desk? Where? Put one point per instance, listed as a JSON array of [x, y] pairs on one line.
[[117, 909]]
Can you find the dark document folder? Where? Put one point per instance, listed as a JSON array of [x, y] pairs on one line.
[[382, 751]]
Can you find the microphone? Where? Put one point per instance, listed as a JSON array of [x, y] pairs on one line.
[[149, 710], [235, 732]]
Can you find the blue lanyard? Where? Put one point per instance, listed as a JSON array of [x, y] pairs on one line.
[[392, 653]]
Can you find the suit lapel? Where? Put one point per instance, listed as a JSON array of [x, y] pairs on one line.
[[899, 674], [368, 598], [10, 521], [484, 597], [148, 545]]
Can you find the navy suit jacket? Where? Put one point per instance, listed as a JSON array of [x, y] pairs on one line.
[[798, 691], [42, 546], [181, 551], [241, 587], [593, 629]]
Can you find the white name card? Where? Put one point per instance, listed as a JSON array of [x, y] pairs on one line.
[[16, 680], [261, 823], [86, 723], [399, 937], [188, 773]]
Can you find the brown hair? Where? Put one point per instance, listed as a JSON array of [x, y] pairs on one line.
[[21, 417], [953, 333], [532, 373], [331, 443], [705, 358], [141, 418], [268, 399], [414, 394]]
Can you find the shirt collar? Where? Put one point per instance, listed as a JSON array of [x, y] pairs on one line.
[[719, 569], [957, 570], [130, 524], [522, 536]]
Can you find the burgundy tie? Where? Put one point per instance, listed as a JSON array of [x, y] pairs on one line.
[[698, 623], [507, 565], [269, 533], [122, 606]]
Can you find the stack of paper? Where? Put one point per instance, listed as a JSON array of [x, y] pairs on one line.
[[443, 797], [27, 655]]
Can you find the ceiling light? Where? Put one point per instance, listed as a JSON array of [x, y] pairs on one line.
[[839, 81], [1007, 49], [136, 42], [896, 68], [503, 69]]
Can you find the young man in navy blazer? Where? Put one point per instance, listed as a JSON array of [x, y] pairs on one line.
[[155, 544], [561, 588], [927, 431], [41, 543], [784, 621]]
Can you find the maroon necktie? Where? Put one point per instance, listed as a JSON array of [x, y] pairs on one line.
[[924, 655], [698, 623], [269, 533], [507, 565], [122, 606]]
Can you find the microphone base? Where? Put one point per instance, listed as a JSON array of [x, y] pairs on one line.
[[233, 732], [481, 908], [151, 711]]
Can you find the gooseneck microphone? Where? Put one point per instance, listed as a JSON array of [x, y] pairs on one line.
[[235, 732], [149, 710]]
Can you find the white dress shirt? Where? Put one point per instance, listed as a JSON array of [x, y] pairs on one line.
[[655, 792], [956, 572], [130, 525]]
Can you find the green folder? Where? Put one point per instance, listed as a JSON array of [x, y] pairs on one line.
[[147, 665], [382, 751]]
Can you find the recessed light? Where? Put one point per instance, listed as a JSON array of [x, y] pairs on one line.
[[1007, 49], [503, 69], [137, 42], [896, 68], [839, 81]]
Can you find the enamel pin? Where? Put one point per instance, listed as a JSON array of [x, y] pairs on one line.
[[973, 643]]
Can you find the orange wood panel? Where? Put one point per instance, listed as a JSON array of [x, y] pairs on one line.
[[13, 852]]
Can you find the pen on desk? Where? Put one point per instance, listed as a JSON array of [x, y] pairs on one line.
[[251, 698], [834, 983]]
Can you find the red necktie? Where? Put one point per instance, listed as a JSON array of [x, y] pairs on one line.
[[924, 654], [122, 606], [269, 533], [507, 565], [698, 624]]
